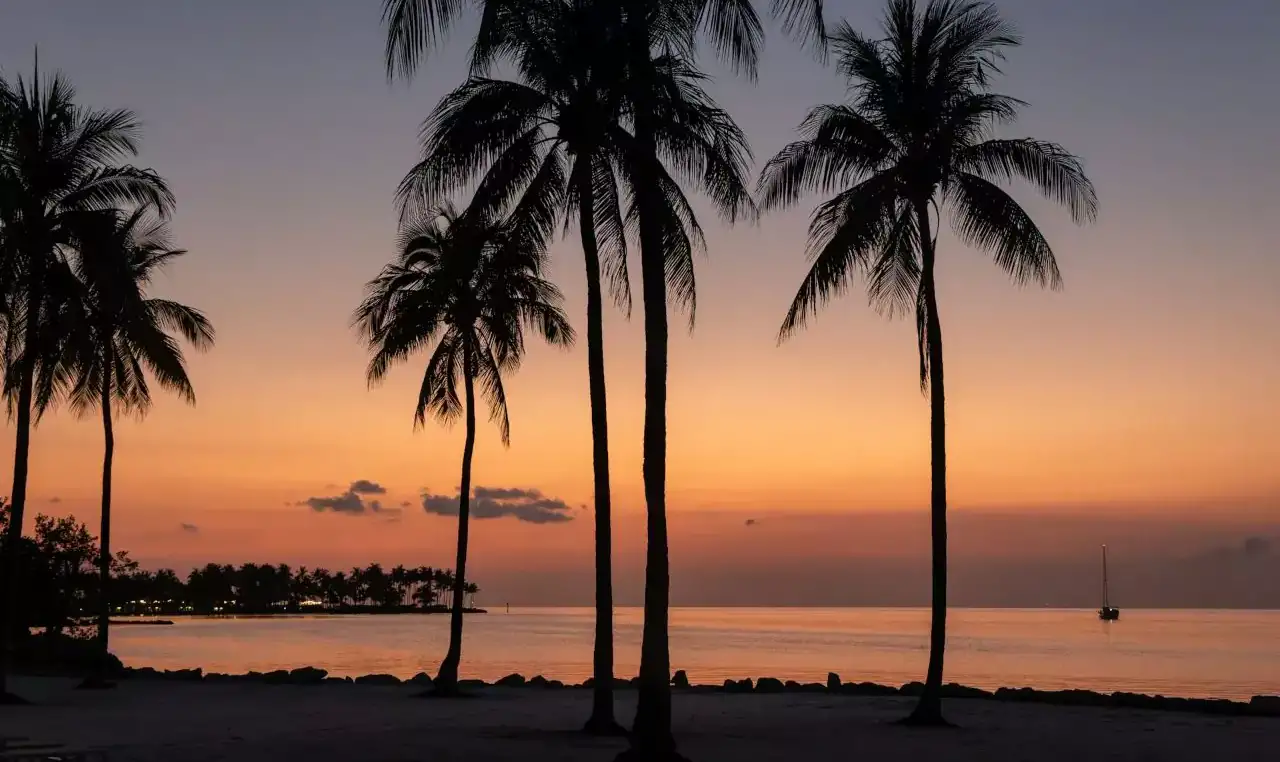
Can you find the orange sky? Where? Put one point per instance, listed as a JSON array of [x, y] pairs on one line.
[[1147, 382]]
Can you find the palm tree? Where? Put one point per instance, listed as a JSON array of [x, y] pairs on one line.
[[918, 134], [645, 30], [125, 332], [58, 170], [465, 285], [561, 137]]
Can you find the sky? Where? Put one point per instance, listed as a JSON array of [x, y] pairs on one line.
[[1135, 407]]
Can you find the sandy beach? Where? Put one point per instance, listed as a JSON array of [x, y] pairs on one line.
[[165, 720]]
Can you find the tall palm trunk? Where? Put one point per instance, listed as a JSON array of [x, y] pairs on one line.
[[602, 720], [651, 736], [929, 709], [104, 559], [10, 624], [447, 681]]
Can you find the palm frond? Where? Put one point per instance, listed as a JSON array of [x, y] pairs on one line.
[[839, 147], [988, 219], [1054, 171], [414, 27], [844, 234], [804, 19], [734, 30]]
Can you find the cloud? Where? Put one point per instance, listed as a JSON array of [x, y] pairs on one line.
[[189, 528], [528, 505], [55, 500], [351, 502]]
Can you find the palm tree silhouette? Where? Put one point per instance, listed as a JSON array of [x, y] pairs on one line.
[[58, 169], [645, 31], [466, 284], [560, 138], [917, 135], [122, 332]]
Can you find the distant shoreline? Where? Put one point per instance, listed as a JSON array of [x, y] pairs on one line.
[[140, 619]]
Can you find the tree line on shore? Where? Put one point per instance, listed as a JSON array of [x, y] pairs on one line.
[[58, 564], [604, 124]]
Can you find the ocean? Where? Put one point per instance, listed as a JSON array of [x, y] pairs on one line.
[[1223, 654]]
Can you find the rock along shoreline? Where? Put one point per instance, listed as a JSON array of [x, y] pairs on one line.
[[1258, 706]]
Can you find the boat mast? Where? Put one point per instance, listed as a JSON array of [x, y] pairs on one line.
[[1106, 604]]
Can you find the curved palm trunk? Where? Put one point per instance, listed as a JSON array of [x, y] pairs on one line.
[[447, 681], [602, 720], [929, 709], [104, 559], [651, 737], [9, 623]]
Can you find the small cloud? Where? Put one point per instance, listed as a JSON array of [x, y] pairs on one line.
[[528, 505], [189, 528], [752, 522], [351, 502], [55, 500], [366, 487]]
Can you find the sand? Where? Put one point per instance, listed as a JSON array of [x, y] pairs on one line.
[[165, 720]]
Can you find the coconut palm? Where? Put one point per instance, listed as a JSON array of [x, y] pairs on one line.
[[465, 286], [58, 169], [645, 30], [560, 137], [918, 134], [126, 336]]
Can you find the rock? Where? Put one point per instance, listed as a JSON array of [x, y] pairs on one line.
[[738, 686], [1014, 694], [277, 677], [422, 679], [538, 681], [955, 690], [307, 675], [680, 679], [185, 674], [1265, 705], [833, 681], [554, 684], [813, 688], [911, 689], [144, 673], [251, 676], [511, 681], [791, 685], [377, 680], [336, 680], [216, 677], [769, 685], [472, 684]]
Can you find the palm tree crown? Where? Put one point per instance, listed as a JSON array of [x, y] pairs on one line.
[[733, 27], [560, 140], [468, 285], [919, 130], [127, 331]]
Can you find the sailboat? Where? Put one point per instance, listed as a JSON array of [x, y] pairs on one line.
[[1107, 613]]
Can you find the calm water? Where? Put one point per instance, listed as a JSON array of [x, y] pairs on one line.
[[1228, 654]]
